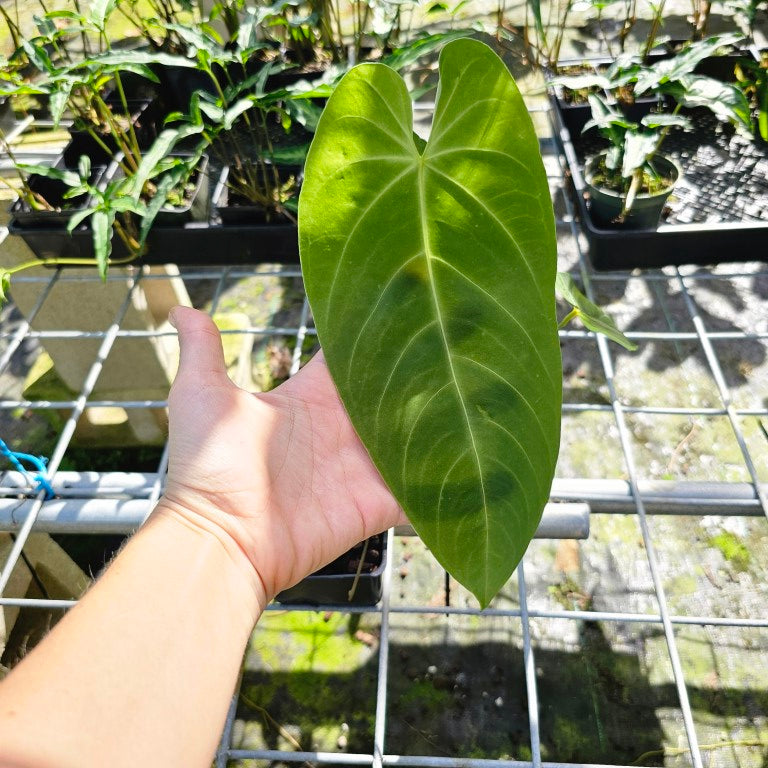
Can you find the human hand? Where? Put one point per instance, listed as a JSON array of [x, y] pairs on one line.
[[282, 475]]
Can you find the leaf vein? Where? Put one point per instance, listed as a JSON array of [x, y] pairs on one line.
[[506, 311], [517, 392], [501, 224]]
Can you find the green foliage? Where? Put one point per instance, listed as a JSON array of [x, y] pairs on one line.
[[752, 79], [593, 317], [431, 275], [632, 144]]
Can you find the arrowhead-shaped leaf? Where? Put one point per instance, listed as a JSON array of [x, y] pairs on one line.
[[430, 272]]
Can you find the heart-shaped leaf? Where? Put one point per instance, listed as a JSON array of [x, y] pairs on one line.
[[430, 271]]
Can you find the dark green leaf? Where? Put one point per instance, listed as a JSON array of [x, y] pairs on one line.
[[84, 166], [594, 318], [657, 120], [295, 155], [37, 55], [70, 178], [412, 51], [304, 112], [78, 217], [724, 99], [101, 228], [165, 185], [59, 99], [100, 11], [431, 280], [157, 154], [235, 111]]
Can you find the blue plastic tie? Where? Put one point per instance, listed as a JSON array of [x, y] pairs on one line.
[[38, 462]]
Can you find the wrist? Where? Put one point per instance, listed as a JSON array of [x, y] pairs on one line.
[[215, 530]]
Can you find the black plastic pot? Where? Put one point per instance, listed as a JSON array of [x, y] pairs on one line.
[[145, 117], [335, 585], [177, 84], [232, 210], [52, 191], [606, 205], [199, 204], [7, 115]]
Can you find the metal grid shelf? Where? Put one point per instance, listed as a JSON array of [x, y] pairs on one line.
[[662, 309]]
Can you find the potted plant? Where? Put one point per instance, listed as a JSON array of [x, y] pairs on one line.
[[630, 182], [700, 226]]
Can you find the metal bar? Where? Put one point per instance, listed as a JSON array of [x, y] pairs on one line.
[[414, 761], [46, 405], [271, 330], [300, 336], [25, 326], [607, 363], [233, 272], [255, 330], [226, 735], [66, 434], [530, 670], [124, 516], [428, 610], [722, 386], [650, 549], [380, 723], [598, 492]]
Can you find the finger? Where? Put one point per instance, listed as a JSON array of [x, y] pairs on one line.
[[201, 356]]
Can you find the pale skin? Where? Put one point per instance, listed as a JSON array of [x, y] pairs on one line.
[[262, 490]]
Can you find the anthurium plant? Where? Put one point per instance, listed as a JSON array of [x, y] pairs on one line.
[[430, 268]]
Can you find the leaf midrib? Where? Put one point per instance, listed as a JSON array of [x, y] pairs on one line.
[[444, 336]]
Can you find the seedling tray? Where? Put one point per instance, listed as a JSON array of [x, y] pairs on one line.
[[717, 213], [192, 244], [335, 584]]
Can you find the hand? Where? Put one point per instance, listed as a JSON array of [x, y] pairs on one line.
[[283, 474]]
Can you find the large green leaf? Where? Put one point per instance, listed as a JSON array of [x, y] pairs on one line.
[[430, 272]]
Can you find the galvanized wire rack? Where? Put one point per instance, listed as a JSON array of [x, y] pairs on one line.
[[433, 670]]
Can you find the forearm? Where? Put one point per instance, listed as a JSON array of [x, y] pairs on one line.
[[142, 670]]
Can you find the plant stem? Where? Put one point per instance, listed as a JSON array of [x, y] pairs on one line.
[[124, 104], [62, 261], [654, 30], [29, 195], [574, 313]]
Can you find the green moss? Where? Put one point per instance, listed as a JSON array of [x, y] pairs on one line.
[[568, 738], [732, 549], [308, 641], [426, 697]]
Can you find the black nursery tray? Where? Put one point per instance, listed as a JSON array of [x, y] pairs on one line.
[[192, 244], [717, 213], [333, 584]]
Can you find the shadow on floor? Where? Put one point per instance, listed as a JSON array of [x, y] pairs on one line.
[[596, 704]]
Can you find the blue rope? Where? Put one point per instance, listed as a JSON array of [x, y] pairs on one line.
[[38, 462]]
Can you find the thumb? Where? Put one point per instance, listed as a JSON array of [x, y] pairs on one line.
[[201, 357]]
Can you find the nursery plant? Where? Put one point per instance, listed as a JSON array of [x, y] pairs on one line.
[[632, 165], [430, 269]]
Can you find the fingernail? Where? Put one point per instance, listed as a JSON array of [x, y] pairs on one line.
[[172, 319]]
